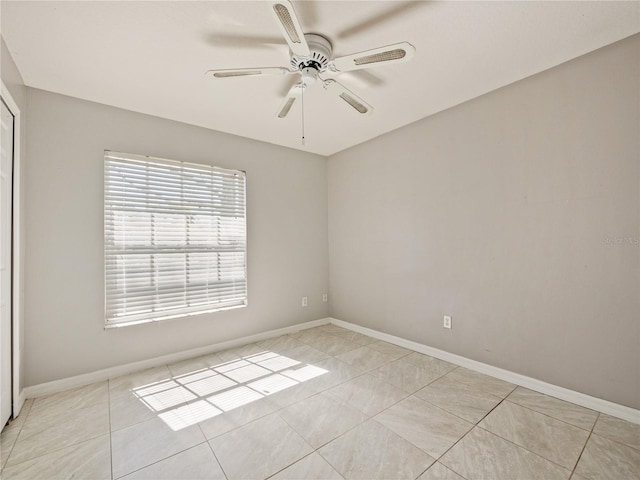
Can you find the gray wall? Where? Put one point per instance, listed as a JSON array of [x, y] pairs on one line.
[[499, 212], [287, 236], [14, 83]]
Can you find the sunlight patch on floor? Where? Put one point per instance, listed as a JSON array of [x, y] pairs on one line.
[[187, 399]]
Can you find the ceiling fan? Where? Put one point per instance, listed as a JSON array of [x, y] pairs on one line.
[[311, 55]]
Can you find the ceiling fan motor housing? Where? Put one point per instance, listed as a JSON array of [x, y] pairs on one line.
[[317, 61]]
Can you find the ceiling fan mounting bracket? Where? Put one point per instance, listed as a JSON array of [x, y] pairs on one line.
[[320, 52]]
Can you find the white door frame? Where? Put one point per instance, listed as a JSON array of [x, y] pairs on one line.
[[18, 399]]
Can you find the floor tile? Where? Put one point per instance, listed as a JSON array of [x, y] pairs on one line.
[[240, 352], [389, 348], [618, 430], [437, 471], [427, 427], [482, 383], [145, 378], [550, 438], [46, 435], [204, 383], [368, 394], [567, 412], [351, 336], [126, 410], [223, 413], [280, 344], [10, 432], [604, 459], [430, 363], [453, 394], [145, 443], [7, 441], [371, 451], [247, 373], [321, 418], [307, 354], [69, 400], [411, 376], [193, 365], [310, 335], [332, 344], [334, 372], [365, 358], [331, 328], [277, 362], [24, 412], [259, 449], [197, 463], [483, 455], [311, 467], [90, 459], [294, 394], [265, 407]]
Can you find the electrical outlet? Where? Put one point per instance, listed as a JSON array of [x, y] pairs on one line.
[[325, 297], [447, 322], [305, 301]]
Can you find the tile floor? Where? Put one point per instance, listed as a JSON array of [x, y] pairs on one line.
[[322, 403]]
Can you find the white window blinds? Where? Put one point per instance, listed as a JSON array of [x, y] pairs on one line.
[[175, 238]]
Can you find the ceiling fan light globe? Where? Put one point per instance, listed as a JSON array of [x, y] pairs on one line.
[[309, 76]]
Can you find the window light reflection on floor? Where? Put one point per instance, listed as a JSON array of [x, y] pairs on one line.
[[187, 399]]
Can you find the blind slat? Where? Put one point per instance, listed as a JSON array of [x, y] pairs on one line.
[[175, 238]]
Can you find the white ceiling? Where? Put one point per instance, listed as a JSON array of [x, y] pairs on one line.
[[151, 57]]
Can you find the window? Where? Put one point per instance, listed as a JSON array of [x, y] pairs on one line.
[[175, 238]]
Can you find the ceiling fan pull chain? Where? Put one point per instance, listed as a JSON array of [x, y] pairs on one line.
[[302, 101]]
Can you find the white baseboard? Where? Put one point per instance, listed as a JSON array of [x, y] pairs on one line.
[[56, 386], [582, 399]]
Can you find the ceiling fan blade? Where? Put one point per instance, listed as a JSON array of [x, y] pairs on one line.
[[289, 100], [248, 72], [398, 52], [285, 15], [348, 96]]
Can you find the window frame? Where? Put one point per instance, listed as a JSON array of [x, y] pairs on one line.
[[185, 311]]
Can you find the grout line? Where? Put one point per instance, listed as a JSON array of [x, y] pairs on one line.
[[531, 451], [162, 459], [328, 441], [340, 400], [369, 417], [526, 449], [57, 448], [619, 442], [17, 436], [551, 416], [206, 440], [335, 469], [217, 460], [584, 446], [497, 405], [291, 464], [443, 466], [475, 425]]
